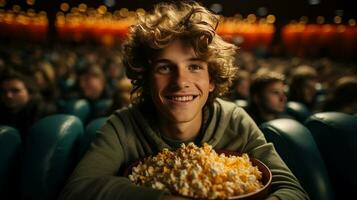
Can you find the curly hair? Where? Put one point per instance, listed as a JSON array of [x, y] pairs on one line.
[[193, 24]]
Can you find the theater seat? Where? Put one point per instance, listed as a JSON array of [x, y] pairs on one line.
[[10, 144], [298, 149], [77, 107], [90, 134], [50, 154], [297, 110], [336, 137], [101, 107]]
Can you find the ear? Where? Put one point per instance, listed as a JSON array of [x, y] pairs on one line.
[[211, 87]]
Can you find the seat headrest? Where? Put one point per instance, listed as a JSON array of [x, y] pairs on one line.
[[298, 149], [50, 155], [336, 137]]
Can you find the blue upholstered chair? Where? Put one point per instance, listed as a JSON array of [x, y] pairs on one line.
[[336, 137], [297, 110], [90, 133], [10, 145], [298, 149], [77, 107], [50, 155]]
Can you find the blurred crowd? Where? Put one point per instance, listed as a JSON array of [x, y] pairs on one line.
[[271, 88], [37, 81]]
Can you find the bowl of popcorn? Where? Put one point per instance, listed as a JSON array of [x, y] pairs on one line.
[[203, 173]]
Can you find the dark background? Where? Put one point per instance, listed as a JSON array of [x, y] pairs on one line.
[[285, 10]]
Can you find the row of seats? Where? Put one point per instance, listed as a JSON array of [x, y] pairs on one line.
[[294, 109], [322, 153], [42, 165], [82, 109]]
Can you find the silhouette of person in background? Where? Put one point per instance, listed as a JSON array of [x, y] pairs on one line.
[[302, 86], [267, 97], [21, 103], [240, 87], [343, 97]]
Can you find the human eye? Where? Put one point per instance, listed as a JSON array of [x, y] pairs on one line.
[[195, 67], [163, 69], [15, 90]]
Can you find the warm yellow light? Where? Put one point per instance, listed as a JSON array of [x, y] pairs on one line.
[[31, 12], [251, 18], [74, 10], [21, 19], [124, 12], [337, 19], [271, 19], [59, 14], [102, 9], [140, 11], [304, 19], [16, 8], [262, 21], [132, 14], [352, 22], [91, 12], [116, 13], [238, 16], [42, 14], [320, 19], [64, 7], [82, 7], [30, 2], [341, 28]]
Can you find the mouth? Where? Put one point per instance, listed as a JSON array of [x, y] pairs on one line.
[[181, 98]]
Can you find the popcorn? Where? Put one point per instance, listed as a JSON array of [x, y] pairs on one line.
[[198, 173]]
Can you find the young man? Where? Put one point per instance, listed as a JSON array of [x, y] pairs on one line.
[[267, 97], [178, 66]]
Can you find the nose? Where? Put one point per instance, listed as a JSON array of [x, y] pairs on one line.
[[182, 78]]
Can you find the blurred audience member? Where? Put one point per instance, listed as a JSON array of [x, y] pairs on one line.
[[247, 61], [343, 97], [66, 77], [240, 88], [121, 96], [43, 75], [92, 84], [267, 97], [114, 72], [302, 86], [21, 103]]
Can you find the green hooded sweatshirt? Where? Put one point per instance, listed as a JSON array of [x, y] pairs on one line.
[[130, 135]]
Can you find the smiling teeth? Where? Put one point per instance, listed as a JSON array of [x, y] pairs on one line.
[[182, 98]]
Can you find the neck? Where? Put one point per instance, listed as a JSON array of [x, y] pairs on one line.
[[183, 131]]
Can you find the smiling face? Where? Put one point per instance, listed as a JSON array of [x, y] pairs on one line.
[[180, 84]]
